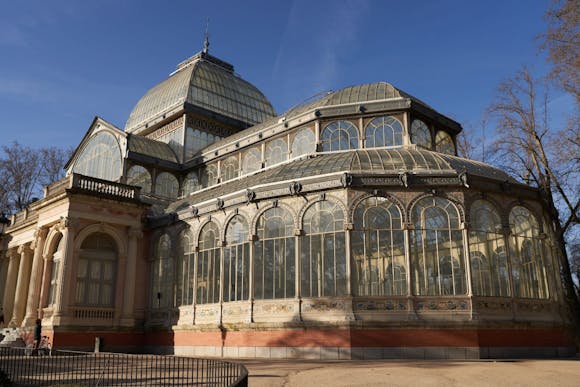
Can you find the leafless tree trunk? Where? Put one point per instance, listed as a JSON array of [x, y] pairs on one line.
[[534, 153]]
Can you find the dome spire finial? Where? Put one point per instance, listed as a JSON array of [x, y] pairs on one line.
[[206, 40]]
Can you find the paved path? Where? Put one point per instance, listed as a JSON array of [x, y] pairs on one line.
[[272, 373]]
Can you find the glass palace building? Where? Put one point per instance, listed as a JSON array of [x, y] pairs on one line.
[[346, 227]]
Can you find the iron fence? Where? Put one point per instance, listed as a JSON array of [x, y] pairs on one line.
[[71, 368]]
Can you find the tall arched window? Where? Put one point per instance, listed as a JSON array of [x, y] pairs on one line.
[[420, 134], [163, 274], [526, 253], [100, 158], [96, 271], [276, 151], [444, 143], [304, 142], [384, 131], [339, 135], [274, 257], [489, 270], [185, 270], [237, 260], [190, 183], [378, 249], [251, 161], [323, 256], [139, 176], [209, 176], [166, 185], [437, 248], [208, 265]]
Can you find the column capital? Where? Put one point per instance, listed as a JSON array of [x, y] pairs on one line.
[[39, 234], [25, 248], [135, 232], [12, 253], [67, 222]]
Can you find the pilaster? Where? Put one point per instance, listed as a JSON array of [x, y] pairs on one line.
[[67, 227], [32, 312], [128, 313], [10, 286], [22, 283]]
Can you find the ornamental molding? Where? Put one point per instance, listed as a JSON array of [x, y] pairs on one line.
[[329, 198]]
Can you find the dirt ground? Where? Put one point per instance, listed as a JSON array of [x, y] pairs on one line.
[[272, 373]]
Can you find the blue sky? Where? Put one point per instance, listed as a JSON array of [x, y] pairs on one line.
[[64, 61]]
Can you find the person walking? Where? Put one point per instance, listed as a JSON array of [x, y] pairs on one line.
[[37, 335]]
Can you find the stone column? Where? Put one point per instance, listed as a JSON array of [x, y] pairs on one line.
[[22, 283], [10, 286], [35, 277], [128, 314], [67, 228], [251, 239]]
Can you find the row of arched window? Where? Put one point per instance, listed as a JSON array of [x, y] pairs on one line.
[[388, 259], [385, 131]]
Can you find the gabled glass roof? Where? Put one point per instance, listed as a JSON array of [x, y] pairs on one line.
[[153, 148], [204, 81]]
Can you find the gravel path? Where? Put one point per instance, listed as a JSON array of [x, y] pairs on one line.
[[414, 373]]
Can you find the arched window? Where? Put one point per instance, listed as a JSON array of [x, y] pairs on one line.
[[251, 161], [185, 270], [444, 143], [208, 265], [339, 135], [230, 168], [163, 274], [209, 176], [526, 249], [378, 249], [489, 270], [437, 248], [274, 259], [384, 131], [166, 185], [100, 158], [276, 152], [190, 183], [96, 271], [140, 177], [237, 260], [323, 256], [304, 142], [420, 134]]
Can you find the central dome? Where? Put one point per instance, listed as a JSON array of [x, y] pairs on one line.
[[205, 82]]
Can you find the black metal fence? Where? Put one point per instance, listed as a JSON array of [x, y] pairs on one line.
[[71, 368]]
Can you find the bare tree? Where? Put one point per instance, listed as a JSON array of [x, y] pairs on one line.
[[471, 142], [562, 41], [526, 144], [53, 160], [23, 168], [23, 172], [4, 197]]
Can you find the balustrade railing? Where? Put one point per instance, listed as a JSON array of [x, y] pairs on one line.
[[81, 183], [105, 187]]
